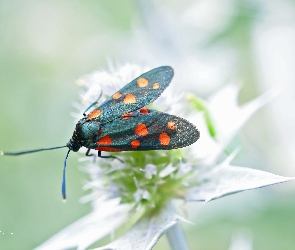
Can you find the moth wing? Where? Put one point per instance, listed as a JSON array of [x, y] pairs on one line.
[[138, 93], [149, 131]]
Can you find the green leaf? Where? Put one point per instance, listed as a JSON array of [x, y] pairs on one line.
[[201, 106]]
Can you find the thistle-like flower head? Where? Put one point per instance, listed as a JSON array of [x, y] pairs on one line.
[[137, 192]]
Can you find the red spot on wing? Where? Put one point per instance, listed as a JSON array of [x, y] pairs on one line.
[[164, 139], [127, 115], [94, 113], [108, 149], [106, 140], [117, 95], [135, 143], [129, 98], [141, 129], [144, 111], [156, 85], [171, 125], [142, 82]]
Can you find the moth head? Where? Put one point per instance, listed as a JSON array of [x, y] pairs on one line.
[[85, 133]]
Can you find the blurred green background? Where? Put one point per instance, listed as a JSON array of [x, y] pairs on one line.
[[45, 46]]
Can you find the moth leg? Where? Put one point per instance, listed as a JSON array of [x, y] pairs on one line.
[[87, 153], [108, 156], [93, 104]]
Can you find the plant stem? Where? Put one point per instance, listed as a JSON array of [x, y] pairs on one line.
[[176, 238]]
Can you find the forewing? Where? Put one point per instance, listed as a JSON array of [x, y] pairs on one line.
[[135, 95], [149, 131]]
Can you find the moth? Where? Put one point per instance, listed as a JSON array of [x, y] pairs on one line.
[[123, 123]]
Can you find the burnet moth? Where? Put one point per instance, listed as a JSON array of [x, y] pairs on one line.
[[122, 123]]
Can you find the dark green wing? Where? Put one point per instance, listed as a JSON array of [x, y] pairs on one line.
[[135, 95], [150, 130]]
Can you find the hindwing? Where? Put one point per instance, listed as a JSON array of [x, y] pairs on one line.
[[148, 130]]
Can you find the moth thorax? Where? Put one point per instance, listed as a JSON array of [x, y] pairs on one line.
[[89, 130]]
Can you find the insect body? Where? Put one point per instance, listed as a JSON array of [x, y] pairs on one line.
[[122, 123]]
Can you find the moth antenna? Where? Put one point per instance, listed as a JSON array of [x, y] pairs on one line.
[[29, 151], [93, 104], [63, 185]]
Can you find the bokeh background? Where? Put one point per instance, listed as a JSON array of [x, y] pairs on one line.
[[46, 45]]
